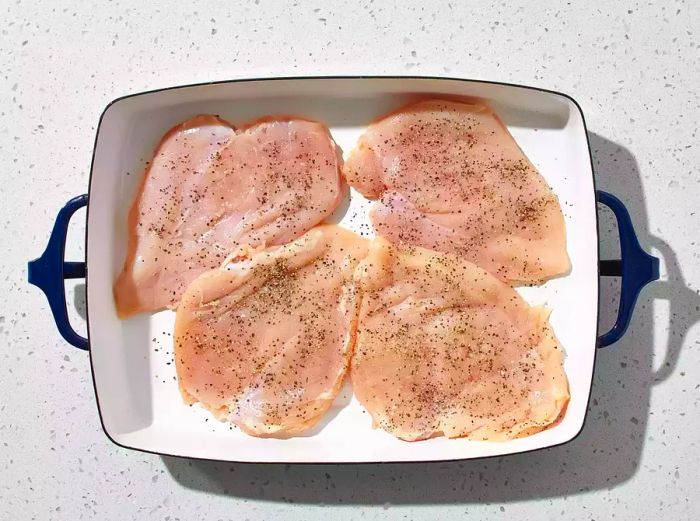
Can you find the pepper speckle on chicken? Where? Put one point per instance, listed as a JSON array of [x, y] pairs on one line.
[[211, 190], [450, 177], [265, 342], [444, 348]]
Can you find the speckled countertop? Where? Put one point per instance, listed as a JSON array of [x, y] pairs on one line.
[[633, 66]]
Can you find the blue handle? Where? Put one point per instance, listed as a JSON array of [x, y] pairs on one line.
[[50, 270], [636, 267]]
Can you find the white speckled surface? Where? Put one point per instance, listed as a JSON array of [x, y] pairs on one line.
[[633, 66]]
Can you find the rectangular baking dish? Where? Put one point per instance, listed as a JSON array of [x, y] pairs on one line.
[[134, 377]]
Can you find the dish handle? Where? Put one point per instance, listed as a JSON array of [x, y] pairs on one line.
[[50, 270], [636, 267]]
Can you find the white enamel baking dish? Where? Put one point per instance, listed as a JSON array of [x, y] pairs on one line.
[[135, 386]]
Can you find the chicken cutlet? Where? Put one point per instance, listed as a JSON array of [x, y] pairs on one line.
[[264, 342], [445, 348], [449, 176], [211, 190]]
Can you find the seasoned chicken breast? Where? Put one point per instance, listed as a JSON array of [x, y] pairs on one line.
[[450, 177], [265, 341], [211, 190], [444, 348]]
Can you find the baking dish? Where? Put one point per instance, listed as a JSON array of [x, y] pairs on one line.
[[137, 396]]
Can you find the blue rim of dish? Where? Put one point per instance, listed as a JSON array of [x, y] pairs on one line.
[[350, 77]]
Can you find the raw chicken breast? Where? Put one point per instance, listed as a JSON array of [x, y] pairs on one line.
[[450, 177], [444, 348], [266, 341], [210, 191]]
